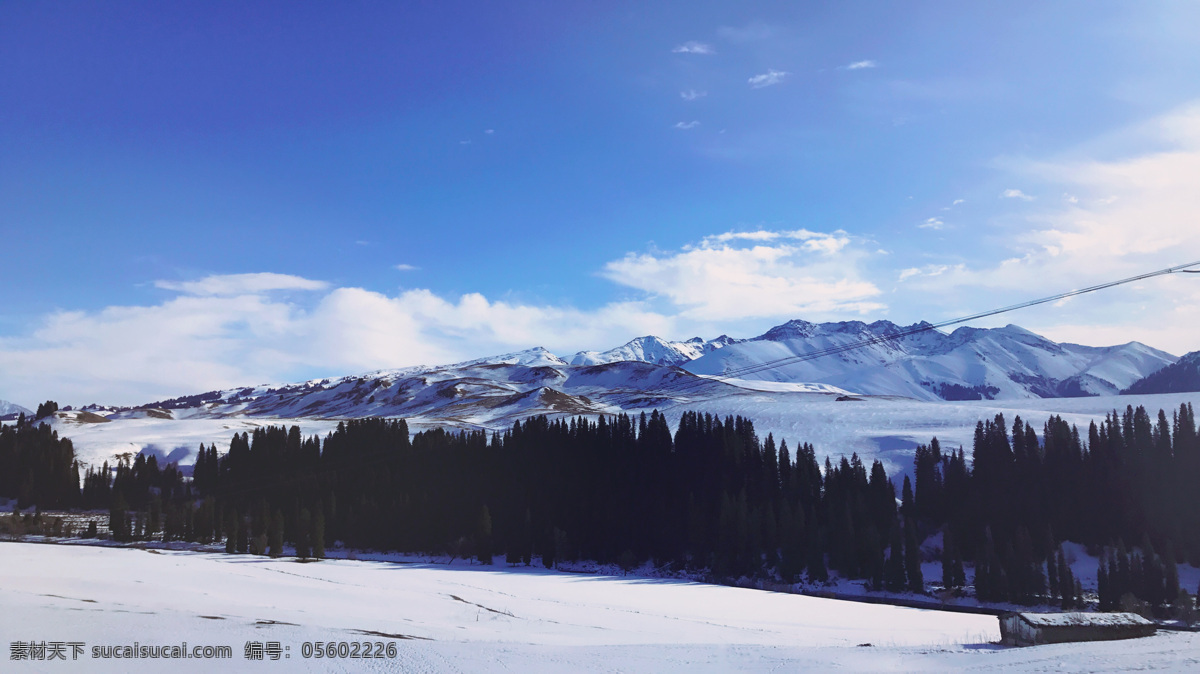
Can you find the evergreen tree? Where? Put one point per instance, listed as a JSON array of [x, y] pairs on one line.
[[483, 536], [817, 573], [894, 576], [275, 534], [1102, 588], [118, 519], [318, 535], [906, 500], [243, 535], [792, 553], [231, 534], [1066, 580], [912, 558], [303, 534], [1170, 573], [953, 575], [1052, 574]]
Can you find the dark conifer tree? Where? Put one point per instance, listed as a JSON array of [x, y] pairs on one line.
[[953, 575], [817, 572], [912, 557], [894, 577], [118, 518], [1067, 581], [275, 535], [1052, 574], [483, 536], [318, 535], [906, 500], [231, 533]]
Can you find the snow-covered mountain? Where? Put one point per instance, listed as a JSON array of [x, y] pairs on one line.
[[651, 349], [969, 363], [12, 410], [1178, 377], [486, 392]]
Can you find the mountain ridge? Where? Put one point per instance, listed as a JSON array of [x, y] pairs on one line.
[[862, 359]]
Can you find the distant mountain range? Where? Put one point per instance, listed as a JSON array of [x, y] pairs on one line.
[[969, 363], [650, 372], [12, 410]]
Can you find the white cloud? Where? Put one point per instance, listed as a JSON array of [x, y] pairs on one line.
[[1130, 216], [859, 65], [1015, 194], [489, 131], [241, 284], [687, 125], [130, 354], [932, 223], [405, 267], [928, 270], [188, 344], [693, 47], [813, 240], [691, 95], [227, 331], [958, 201], [767, 79], [743, 275]]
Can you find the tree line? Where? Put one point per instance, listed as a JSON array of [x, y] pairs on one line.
[[710, 496]]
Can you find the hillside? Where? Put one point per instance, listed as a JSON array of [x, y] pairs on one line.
[[1181, 376], [967, 364]]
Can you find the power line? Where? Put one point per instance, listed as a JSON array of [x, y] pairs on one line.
[[917, 329]]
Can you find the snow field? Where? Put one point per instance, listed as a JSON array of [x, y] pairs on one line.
[[462, 618]]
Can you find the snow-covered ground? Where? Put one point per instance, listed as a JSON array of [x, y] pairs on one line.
[[465, 618], [169, 439], [886, 428], [889, 429]]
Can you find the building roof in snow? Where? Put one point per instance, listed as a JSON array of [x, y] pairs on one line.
[[1084, 619]]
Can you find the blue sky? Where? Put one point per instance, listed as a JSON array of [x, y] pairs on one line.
[[200, 195]]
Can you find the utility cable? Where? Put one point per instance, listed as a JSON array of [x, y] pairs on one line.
[[920, 328]]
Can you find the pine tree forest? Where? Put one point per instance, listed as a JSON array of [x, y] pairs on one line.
[[711, 497]]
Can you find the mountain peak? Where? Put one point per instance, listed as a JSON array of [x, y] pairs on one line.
[[793, 329], [652, 349], [535, 356], [13, 409]]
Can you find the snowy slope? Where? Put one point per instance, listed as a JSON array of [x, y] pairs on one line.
[[13, 410], [483, 392], [1183, 375], [969, 363], [460, 618]]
